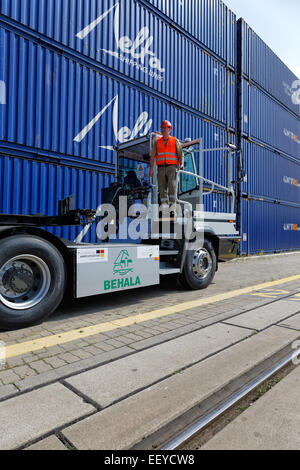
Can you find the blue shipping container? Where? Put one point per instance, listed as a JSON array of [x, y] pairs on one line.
[[261, 65], [69, 112], [81, 76], [269, 227], [72, 112], [129, 41], [128, 27], [266, 121], [209, 21], [269, 174], [33, 187]]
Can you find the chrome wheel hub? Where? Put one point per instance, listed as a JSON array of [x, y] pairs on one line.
[[202, 263], [24, 282]]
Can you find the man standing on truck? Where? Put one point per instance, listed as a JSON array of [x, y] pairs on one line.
[[167, 154]]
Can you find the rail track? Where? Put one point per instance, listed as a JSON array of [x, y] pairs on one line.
[[205, 421]]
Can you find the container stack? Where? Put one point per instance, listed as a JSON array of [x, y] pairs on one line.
[[269, 135], [79, 77]]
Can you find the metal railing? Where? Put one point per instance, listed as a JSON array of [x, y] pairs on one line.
[[202, 193], [231, 148]]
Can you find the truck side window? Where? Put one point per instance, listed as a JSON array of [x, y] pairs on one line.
[[188, 182]]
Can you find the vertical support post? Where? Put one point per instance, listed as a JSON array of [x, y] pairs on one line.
[[154, 202], [230, 185], [201, 169]]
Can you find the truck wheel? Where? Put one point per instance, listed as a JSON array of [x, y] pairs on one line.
[[32, 280], [199, 267]]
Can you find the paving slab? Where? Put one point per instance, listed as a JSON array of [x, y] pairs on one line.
[[34, 414], [69, 369], [109, 383], [262, 317], [293, 322], [271, 423], [50, 443], [149, 410], [8, 390]]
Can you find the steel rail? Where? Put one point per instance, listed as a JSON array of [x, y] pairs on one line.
[[208, 418]]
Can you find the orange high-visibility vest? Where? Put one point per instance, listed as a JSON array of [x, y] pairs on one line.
[[166, 154]]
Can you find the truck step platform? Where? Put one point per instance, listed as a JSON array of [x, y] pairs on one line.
[[168, 252], [166, 271]]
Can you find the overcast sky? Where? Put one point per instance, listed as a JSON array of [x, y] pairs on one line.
[[277, 22]]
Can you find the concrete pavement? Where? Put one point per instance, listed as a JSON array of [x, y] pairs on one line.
[[146, 375], [271, 423]]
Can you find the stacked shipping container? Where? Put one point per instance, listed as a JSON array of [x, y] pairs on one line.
[[269, 135], [80, 76]]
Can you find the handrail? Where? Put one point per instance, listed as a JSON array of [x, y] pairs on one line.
[[201, 178], [205, 179]]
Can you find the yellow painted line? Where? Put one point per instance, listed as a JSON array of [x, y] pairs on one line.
[[267, 296], [273, 294], [19, 349]]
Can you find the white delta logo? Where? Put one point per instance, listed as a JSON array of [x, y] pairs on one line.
[[122, 135], [137, 49]]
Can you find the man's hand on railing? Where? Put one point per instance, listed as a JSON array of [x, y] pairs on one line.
[[189, 144]]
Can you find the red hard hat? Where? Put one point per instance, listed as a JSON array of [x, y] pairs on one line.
[[166, 124]]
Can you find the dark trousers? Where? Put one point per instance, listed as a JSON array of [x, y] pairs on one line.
[[166, 176]]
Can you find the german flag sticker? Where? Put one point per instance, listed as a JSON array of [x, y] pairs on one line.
[[101, 254]]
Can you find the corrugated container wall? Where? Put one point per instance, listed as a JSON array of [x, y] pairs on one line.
[[269, 227], [269, 136], [265, 120], [269, 174], [76, 24], [261, 65], [78, 77], [209, 21], [34, 187], [135, 44], [62, 109], [78, 82]]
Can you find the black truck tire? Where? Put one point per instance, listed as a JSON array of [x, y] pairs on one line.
[[199, 267], [32, 280]]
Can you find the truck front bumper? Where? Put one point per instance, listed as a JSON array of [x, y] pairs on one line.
[[228, 248]]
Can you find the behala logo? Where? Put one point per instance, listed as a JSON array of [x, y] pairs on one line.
[[122, 135], [122, 265], [296, 92], [136, 50]]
